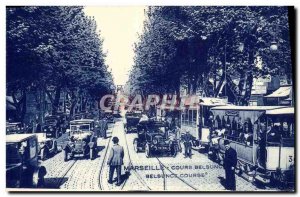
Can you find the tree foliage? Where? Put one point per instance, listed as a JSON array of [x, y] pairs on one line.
[[187, 45], [54, 49]]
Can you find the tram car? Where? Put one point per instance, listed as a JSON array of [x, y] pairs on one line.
[[197, 119], [263, 137], [82, 140]]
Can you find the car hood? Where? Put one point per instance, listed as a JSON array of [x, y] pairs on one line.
[[80, 136]]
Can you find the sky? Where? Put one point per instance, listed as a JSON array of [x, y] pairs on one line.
[[119, 27]]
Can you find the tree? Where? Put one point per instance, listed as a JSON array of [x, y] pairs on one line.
[[54, 49], [193, 44]]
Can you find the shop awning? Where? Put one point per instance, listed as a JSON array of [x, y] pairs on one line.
[[9, 106], [9, 103], [280, 92]]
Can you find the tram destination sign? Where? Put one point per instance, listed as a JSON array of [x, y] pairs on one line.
[[232, 113]]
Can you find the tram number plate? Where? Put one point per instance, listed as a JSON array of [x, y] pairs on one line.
[[290, 159]]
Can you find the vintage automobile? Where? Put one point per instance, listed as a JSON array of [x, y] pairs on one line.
[[263, 137], [64, 120], [154, 138], [14, 128], [82, 139], [47, 146], [52, 126], [132, 120], [23, 169]]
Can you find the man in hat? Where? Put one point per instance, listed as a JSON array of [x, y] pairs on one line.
[[188, 142], [230, 162], [115, 161]]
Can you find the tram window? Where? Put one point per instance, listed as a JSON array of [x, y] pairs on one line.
[[186, 117], [273, 133], [190, 117], [223, 122], [248, 133], [210, 120], [287, 129], [292, 130], [269, 122], [194, 112], [234, 129], [218, 122], [205, 114]]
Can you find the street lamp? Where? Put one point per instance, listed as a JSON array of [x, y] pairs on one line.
[[241, 47], [273, 46]]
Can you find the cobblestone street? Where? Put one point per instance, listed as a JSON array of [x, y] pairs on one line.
[[163, 173]]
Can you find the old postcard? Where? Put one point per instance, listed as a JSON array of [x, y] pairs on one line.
[[150, 98]]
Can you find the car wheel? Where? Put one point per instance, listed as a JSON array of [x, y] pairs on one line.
[[35, 179], [44, 153], [147, 151], [55, 150], [135, 145], [173, 151]]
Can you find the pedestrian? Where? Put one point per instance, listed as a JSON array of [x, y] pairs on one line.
[[230, 162], [103, 128], [187, 142], [177, 133], [115, 161]]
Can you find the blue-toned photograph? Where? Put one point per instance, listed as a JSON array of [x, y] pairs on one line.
[[150, 99]]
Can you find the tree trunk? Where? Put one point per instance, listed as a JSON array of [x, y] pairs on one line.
[[73, 103], [54, 101], [249, 84], [20, 106]]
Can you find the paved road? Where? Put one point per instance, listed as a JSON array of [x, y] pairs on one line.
[[163, 173], [77, 174]]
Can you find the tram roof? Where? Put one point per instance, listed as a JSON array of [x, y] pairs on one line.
[[207, 101], [281, 111], [280, 92], [246, 108]]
